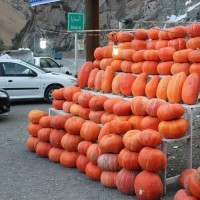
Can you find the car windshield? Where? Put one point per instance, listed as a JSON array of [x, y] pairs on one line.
[[36, 66]]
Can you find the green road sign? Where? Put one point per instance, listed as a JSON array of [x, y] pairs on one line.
[[75, 21]]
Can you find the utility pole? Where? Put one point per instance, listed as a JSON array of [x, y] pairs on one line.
[[92, 23]]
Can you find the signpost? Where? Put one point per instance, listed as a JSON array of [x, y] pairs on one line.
[[75, 23]]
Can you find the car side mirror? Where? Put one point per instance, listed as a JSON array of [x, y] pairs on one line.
[[32, 73], [61, 65]]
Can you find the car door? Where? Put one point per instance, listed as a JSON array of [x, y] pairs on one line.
[[20, 82], [49, 64]]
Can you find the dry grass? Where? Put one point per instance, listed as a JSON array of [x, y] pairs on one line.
[[10, 22]]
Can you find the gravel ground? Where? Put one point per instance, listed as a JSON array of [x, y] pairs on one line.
[[24, 175]]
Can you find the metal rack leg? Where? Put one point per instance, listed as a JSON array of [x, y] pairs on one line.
[[164, 172], [189, 140]]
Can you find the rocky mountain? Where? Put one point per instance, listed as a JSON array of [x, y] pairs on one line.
[[24, 23]]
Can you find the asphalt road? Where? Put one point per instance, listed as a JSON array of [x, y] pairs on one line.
[[24, 175]]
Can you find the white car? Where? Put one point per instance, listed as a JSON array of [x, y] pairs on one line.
[[23, 80], [50, 64]]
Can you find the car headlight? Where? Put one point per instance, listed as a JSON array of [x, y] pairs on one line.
[[74, 81], [2, 94]]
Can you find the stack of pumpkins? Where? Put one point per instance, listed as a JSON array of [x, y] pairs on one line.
[[109, 139], [190, 182], [154, 63], [114, 139]]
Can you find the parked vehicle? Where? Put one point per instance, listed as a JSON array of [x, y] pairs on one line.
[[50, 64], [47, 63], [58, 55], [4, 101], [23, 80]]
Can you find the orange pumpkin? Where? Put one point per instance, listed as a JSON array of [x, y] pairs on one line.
[[180, 67], [193, 30], [56, 137], [136, 68], [152, 159], [58, 94], [138, 105], [164, 68], [31, 143], [107, 117], [84, 99], [96, 102], [166, 53], [84, 112], [105, 62], [181, 56], [93, 153], [58, 121], [150, 67], [107, 79], [111, 143], [131, 140], [126, 66], [57, 104], [135, 121], [152, 45], [33, 129], [42, 149], [174, 128], [178, 43], [161, 91], [122, 108], [109, 162], [174, 88], [177, 32], [164, 34], [96, 64], [68, 159], [138, 56], [107, 51], [138, 86], [194, 183], [95, 116], [170, 111], [141, 34], [193, 43], [184, 174], [127, 54], [93, 171], [151, 55], [125, 181], [98, 53], [161, 43], [183, 194], [126, 82], [190, 90], [153, 105], [83, 146], [66, 106], [54, 154], [81, 162], [92, 77], [69, 91], [70, 142], [149, 122], [98, 80], [116, 84], [109, 103], [152, 33], [84, 73], [116, 65], [45, 121], [193, 56], [34, 116], [44, 134], [139, 45], [73, 125], [128, 159], [124, 36], [108, 179], [90, 131], [146, 189], [195, 68], [151, 87], [150, 138]]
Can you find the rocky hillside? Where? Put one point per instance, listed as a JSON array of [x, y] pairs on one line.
[[20, 17]]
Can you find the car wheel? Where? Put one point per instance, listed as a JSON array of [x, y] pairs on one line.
[[48, 93]]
